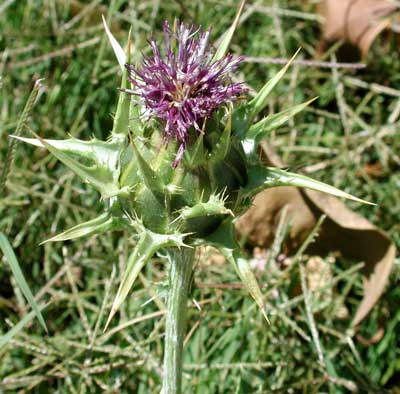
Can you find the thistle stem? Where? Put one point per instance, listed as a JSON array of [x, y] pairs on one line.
[[181, 266]]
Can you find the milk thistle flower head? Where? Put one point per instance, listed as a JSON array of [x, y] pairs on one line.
[[221, 171], [174, 210], [186, 85]]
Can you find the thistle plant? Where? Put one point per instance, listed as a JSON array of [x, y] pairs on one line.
[[180, 166]]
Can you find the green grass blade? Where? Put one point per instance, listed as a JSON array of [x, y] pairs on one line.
[[20, 126], [19, 277], [4, 339]]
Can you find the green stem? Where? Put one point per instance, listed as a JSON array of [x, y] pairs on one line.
[[181, 266]]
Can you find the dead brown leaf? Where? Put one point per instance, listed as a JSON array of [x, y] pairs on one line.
[[343, 230], [356, 21]]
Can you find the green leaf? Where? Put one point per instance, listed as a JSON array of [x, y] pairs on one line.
[[227, 37], [259, 102], [261, 177], [262, 128], [147, 245], [224, 240], [19, 277], [103, 171], [99, 225], [96, 150]]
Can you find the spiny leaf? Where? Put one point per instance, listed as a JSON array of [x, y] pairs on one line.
[[227, 37], [147, 245], [261, 129], [258, 103], [103, 174], [96, 150], [224, 240], [99, 225], [118, 51], [260, 178], [20, 278]]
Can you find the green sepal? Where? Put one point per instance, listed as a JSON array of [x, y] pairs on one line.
[[261, 177], [258, 103], [149, 176], [224, 240], [227, 37], [261, 129], [136, 125], [126, 114], [241, 120], [122, 114], [105, 222], [148, 244], [102, 172], [194, 155], [214, 206], [221, 148]]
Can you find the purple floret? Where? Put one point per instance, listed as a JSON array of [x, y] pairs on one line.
[[185, 86]]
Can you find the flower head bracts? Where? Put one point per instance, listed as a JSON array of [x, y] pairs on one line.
[[185, 86]]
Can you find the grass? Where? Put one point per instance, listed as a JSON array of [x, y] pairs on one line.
[[309, 346]]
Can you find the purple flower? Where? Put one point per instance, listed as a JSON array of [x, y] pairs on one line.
[[184, 87]]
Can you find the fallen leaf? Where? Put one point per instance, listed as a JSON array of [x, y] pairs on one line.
[[356, 21], [343, 230]]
